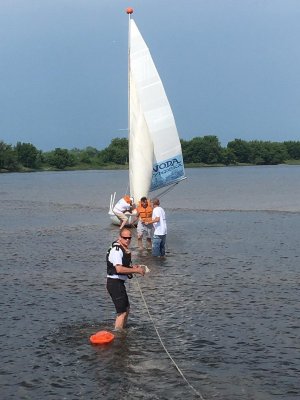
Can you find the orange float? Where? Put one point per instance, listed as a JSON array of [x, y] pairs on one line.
[[129, 10], [102, 337]]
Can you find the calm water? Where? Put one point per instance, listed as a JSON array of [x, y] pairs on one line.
[[225, 300]]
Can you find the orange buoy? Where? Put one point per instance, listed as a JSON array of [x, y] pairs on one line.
[[129, 10], [102, 337]]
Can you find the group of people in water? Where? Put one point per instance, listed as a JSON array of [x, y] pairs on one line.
[[152, 226], [151, 219]]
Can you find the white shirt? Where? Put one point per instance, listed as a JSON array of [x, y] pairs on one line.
[[160, 227], [121, 206], [115, 257]]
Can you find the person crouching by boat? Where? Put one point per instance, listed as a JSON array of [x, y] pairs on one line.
[[119, 269], [144, 215], [160, 229], [123, 205]]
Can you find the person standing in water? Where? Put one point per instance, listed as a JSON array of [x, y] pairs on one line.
[[160, 229], [144, 214], [119, 269]]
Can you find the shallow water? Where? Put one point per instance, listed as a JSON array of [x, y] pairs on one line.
[[225, 300]]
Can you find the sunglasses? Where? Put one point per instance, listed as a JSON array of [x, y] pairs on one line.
[[126, 237]]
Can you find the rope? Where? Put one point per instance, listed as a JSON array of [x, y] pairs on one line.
[[169, 188], [164, 347]]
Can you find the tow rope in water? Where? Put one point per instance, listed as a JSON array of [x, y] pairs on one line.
[[164, 347]]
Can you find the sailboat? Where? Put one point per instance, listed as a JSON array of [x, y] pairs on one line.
[[155, 154]]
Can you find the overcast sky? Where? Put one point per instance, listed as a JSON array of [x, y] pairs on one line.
[[231, 68]]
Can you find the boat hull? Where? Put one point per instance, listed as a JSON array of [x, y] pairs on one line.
[[115, 220]]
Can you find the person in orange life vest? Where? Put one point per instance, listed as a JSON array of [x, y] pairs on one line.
[[144, 227], [119, 269], [123, 205]]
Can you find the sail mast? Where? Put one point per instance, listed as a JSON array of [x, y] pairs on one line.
[[129, 11]]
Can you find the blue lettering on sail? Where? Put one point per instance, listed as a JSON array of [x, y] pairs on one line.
[[167, 172]]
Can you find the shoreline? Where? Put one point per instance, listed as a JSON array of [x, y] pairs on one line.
[[125, 167]]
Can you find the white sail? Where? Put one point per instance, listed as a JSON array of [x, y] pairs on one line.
[[155, 155]]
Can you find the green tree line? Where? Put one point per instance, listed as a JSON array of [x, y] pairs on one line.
[[205, 150]]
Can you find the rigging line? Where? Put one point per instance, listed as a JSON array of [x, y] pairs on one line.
[[169, 188], [163, 345]]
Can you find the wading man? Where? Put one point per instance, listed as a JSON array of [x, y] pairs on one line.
[[144, 215], [160, 230], [119, 269]]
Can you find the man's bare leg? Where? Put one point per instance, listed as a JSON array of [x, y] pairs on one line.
[[140, 242], [124, 222], [121, 320]]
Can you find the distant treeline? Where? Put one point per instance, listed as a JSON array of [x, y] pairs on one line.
[[205, 150]]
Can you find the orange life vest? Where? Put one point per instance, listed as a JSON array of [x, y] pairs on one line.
[[145, 214]]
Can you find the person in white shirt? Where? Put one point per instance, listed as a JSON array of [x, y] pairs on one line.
[[119, 269], [160, 230], [123, 205]]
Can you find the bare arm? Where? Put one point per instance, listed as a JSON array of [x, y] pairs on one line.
[[156, 219], [136, 269], [136, 217]]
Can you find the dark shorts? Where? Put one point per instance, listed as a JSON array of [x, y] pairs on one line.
[[117, 290]]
